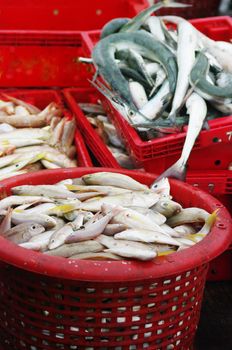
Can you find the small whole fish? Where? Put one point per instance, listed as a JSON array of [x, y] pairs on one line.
[[147, 236], [43, 190], [23, 232], [68, 250], [42, 219], [127, 249], [138, 198], [167, 207], [188, 216], [93, 230], [113, 179], [197, 110]]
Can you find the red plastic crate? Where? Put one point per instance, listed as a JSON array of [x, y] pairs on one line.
[[53, 302], [92, 139], [65, 15], [100, 151], [215, 182], [213, 146], [41, 98], [31, 58]]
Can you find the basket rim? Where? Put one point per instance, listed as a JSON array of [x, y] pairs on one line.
[[114, 271]]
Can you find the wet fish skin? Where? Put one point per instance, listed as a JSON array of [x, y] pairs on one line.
[[68, 250], [44, 220], [136, 220], [17, 200], [127, 249], [146, 236], [5, 225], [112, 229], [59, 236], [93, 230], [43, 190], [113, 179], [23, 232], [167, 207], [188, 216], [137, 198], [96, 256]]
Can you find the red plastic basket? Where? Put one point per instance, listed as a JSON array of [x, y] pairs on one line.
[[65, 15], [41, 98], [55, 303], [213, 146]]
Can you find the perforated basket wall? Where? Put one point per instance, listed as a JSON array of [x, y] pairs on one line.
[[39, 312]]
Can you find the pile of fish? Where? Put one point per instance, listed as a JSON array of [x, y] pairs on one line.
[[101, 216], [162, 73], [98, 118], [31, 139]]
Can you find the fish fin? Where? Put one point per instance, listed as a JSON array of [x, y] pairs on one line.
[[18, 210], [64, 208], [209, 222], [193, 237], [172, 117], [6, 222], [168, 3], [176, 171], [95, 75], [206, 125], [166, 252]]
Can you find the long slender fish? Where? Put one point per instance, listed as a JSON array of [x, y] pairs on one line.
[[103, 57], [201, 85], [197, 109], [186, 46], [136, 22]]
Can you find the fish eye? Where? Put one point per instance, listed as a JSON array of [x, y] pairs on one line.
[[33, 227], [131, 113], [155, 186]]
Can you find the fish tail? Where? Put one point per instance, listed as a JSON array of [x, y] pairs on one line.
[[169, 3], [172, 117], [166, 252], [176, 171], [209, 222]]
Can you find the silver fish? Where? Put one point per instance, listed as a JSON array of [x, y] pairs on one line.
[[127, 249], [67, 250], [147, 236], [113, 179], [93, 230], [23, 232], [188, 216]]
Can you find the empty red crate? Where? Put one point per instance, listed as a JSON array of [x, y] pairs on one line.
[[42, 59], [65, 15], [213, 148], [41, 98]]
